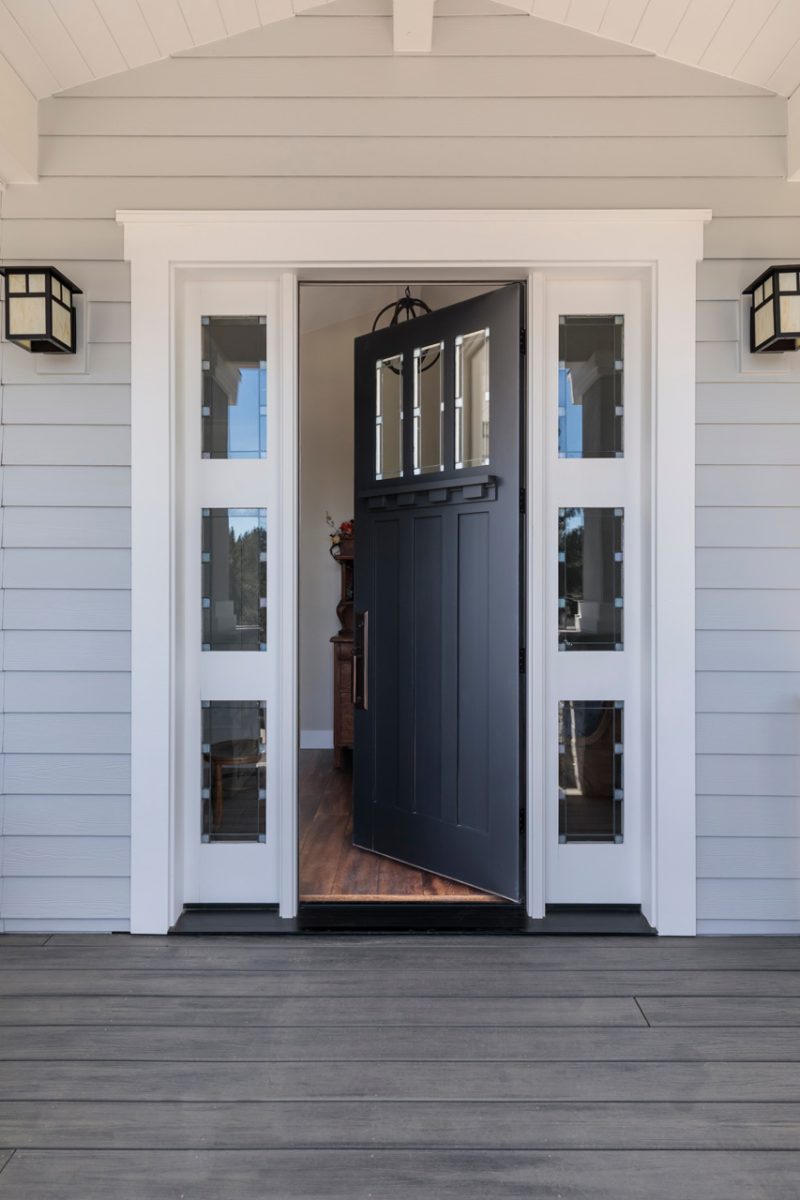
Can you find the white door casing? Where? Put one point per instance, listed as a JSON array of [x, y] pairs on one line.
[[167, 250]]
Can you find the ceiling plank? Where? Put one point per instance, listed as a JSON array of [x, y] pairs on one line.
[[47, 33], [659, 22], [740, 26], [622, 19], [412, 24], [19, 132], [768, 49], [204, 20], [586, 14], [91, 35], [239, 15], [129, 30], [167, 25], [698, 26], [26, 59]]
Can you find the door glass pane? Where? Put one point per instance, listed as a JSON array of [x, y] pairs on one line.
[[472, 399], [428, 409], [234, 387], [389, 418], [234, 579], [590, 781], [590, 604], [234, 771], [590, 387]]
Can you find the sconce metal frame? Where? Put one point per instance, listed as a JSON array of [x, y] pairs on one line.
[[40, 311], [775, 315]]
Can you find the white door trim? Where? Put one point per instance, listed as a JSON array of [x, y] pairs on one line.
[[165, 247]]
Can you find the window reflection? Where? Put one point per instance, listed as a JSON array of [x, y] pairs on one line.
[[590, 387], [428, 409], [234, 771], [590, 775], [234, 579], [590, 598], [234, 387], [472, 399], [389, 418]]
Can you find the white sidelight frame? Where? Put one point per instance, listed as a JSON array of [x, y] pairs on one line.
[[661, 247]]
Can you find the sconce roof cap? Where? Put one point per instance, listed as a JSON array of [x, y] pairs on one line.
[[751, 287], [40, 268]]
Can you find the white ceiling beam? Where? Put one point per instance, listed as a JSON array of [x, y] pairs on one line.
[[793, 139], [412, 23], [19, 129]]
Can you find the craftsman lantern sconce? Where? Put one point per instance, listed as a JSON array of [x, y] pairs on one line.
[[775, 315], [40, 309]]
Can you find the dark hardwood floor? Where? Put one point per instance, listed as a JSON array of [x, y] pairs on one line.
[[332, 868], [329, 1067]]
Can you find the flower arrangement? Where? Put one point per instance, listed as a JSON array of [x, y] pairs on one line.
[[341, 537]]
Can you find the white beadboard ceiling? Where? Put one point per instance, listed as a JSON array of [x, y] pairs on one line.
[[54, 45]]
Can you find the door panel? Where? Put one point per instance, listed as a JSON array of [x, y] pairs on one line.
[[437, 577]]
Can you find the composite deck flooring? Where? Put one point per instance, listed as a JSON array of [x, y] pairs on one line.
[[392, 1067]]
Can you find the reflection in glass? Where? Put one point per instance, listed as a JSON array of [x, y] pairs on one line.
[[472, 399], [234, 387], [590, 604], [590, 387], [428, 408], [590, 782], [389, 418], [234, 579], [234, 771]]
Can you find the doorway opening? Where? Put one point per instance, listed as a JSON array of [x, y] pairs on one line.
[[417, 445]]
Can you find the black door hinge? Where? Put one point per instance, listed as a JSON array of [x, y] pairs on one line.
[[522, 820], [523, 341], [522, 663], [522, 500]]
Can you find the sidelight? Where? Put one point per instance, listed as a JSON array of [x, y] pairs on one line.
[[590, 386], [234, 578], [234, 752], [234, 411], [590, 772], [590, 564], [472, 399], [389, 418]]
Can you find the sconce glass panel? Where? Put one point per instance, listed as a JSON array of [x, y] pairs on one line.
[[590, 771], [590, 579], [234, 765], [590, 386], [234, 579], [234, 412]]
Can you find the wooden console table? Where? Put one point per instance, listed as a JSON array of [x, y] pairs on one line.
[[342, 643]]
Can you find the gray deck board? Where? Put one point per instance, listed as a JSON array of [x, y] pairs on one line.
[[350, 1068], [398, 1175], [382, 1043], [359, 1080], [433, 981]]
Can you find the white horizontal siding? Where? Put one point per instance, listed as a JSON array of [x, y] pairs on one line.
[[25, 608], [66, 816], [87, 690], [73, 528], [319, 114]]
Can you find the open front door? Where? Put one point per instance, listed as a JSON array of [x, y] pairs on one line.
[[438, 569]]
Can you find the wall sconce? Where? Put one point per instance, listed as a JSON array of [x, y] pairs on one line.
[[40, 309], [775, 315]]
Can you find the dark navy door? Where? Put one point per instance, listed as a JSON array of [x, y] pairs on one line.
[[438, 571]]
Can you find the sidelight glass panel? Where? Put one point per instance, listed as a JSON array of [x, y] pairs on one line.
[[590, 563], [472, 399], [590, 387], [590, 772], [234, 579], [234, 387], [389, 418], [428, 409], [234, 797]]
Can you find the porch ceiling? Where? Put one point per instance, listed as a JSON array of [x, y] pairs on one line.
[[54, 45]]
